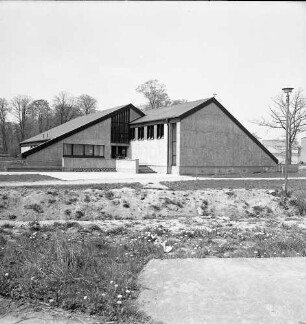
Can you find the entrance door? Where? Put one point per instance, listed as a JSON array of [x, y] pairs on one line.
[[119, 152]]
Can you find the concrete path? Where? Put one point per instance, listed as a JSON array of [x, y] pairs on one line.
[[211, 290], [83, 178]]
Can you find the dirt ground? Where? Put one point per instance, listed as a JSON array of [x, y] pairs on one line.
[[141, 207]]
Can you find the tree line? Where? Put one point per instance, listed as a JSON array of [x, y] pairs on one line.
[[34, 116]]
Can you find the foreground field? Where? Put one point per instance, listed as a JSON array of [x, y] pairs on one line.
[[89, 259]]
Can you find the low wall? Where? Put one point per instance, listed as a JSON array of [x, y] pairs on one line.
[[291, 168], [127, 166], [214, 170], [75, 164]]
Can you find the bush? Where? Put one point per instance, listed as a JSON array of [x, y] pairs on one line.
[[35, 207]]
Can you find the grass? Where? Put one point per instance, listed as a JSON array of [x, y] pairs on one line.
[[74, 267], [25, 178]]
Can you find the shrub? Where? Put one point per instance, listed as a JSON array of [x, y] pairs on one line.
[[67, 212], [79, 214], [87, 199], [12, 216], [109, 194], [35, 207], [51, 201], [126, 204]]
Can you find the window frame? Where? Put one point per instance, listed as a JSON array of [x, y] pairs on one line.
[[150, 132], [73, 155], [140, 136]]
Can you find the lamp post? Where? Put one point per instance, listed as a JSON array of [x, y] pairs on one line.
[[287, 91]]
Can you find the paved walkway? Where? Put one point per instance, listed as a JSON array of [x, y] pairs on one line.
[[225, 291], [83, 178]]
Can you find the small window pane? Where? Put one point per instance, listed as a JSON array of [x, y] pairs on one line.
[[89, 150], [78, 149], [67, 149], [99, 150]]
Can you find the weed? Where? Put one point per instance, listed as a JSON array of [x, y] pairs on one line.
[[12, 216], [67, 212], [94, 227], [52, 192], [35, 207], [126, 204], [73, 199], [258, 209], [79, 214], [51, 200], [7, 225], [300, 203], [109, 194]]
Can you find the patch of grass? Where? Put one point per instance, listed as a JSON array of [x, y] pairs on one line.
[[35, 207], [299, 201], [7, 225], [94, 276]]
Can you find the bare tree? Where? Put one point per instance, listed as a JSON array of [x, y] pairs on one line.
[[155, 92], [4, 109], [21, 110], [87, 104], [297, 116], [65, 107], [41, 112], [178, 101]]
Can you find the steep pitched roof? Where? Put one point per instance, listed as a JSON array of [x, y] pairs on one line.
[[169, 112], [69, 126], [183, 110], [73, 126]]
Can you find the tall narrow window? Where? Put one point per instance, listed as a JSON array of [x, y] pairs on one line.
[[141, 133], [173, 133], [160, 131], [150, 132], [132, 134]]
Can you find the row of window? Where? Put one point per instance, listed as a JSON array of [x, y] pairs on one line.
[[150, 132], [86, 150]]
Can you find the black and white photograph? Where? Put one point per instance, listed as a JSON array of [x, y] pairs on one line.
[[152, 162]]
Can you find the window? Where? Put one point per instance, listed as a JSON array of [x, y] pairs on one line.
[[83, 150], [67, 149], [78, 149], [150, 132], [132, 134], [173, 129], [98, 150], [160, 131], [120, 127], [140, 133], [89, 150]]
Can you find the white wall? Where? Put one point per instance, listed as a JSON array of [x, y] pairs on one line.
[[150, 152]]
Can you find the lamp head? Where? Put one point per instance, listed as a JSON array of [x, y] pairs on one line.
[[287, 90]]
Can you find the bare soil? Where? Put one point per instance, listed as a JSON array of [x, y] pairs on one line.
[[139, 207]]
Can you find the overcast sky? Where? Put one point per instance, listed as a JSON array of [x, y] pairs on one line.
[[246, 52]]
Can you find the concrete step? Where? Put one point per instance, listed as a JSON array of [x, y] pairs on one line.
[[145, 169]]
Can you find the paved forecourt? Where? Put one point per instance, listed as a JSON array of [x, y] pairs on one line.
[[213, 290]]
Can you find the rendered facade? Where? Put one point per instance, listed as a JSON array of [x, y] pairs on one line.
[[199, 137]]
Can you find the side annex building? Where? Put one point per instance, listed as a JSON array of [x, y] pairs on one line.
[[193, 138]]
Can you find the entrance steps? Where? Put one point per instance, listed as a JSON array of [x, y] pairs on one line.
[[145, 169]]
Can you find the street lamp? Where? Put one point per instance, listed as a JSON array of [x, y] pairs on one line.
[[287, 91]]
